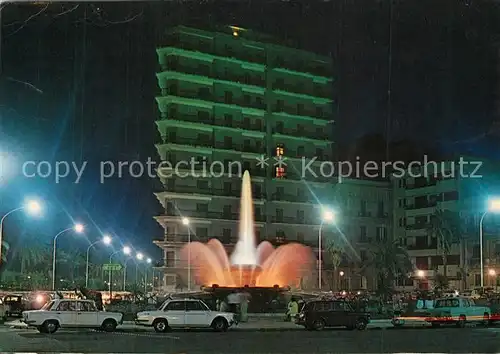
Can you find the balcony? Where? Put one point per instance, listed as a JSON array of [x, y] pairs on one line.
[[212, 191], [419, 226], [293, 176], [300, 154], [210, 143], [300, 112], [250, 80], [196, 214], [173, 40], [319, 70], [239, 147], [302, 90], [291, 198], [292, 220], [211, 98], [304, 134], [219, 123]]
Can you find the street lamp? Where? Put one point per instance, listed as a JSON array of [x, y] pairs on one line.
[[328, 216], [185, 222], [78, 228], [139, 257], [126, 251], [494, 207], [107, 241], [32, 207], [148, 261]]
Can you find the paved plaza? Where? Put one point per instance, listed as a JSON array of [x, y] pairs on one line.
[[131, 339]]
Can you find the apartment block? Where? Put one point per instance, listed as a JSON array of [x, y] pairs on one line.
[[228, 99]]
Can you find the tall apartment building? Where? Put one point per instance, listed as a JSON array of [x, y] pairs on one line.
[[365, 212], [226, 99], [448, 187]]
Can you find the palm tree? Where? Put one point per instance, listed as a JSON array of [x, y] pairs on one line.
[[445, 227], [333, 255], [390, 261], [5, 249]]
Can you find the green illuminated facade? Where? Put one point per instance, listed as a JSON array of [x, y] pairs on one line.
[[225, 99]]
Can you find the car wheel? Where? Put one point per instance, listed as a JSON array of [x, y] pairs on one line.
[[486, 319], [41, 329], [51, 326], [109, 325], [461, 321], [318, 325], [361, 324], [220, 324], [160, 325]]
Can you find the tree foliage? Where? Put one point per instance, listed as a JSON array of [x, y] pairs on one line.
[[389, 260]]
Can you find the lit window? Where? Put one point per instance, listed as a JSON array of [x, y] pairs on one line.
[[280, 172], [280, 150]]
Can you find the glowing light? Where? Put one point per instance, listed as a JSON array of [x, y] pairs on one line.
[[78, 228], [235, 33], [33, 207], [492, 272], [149, 260], [106, 240], [127, 250], [328, 216], [420, 273], [40, 299], [185, 221], [341, 273], [140, 256], [494, 205]]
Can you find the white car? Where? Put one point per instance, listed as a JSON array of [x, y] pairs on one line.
[[68, 313], [458, 310], [185, 313]]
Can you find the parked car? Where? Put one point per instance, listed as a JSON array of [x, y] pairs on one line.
[[458, 310], [3, 314], [182, 313], [318, 314], [71, 313], [14, 305]]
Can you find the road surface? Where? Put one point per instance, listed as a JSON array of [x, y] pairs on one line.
[[467, 340]]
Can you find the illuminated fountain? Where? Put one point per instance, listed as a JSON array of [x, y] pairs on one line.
[[262, 266]]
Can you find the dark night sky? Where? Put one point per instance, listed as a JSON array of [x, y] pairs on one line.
[[95, 66]]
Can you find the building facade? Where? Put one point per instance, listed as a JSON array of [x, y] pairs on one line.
[[230, 101], [461, 190]]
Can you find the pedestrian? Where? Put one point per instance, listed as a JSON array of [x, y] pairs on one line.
[[293, 309], [233, 300]]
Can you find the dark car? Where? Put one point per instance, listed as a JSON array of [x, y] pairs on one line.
[[318, 314], [15, 305]]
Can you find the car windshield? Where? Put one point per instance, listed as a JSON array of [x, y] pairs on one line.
[[48, 306], [447, 303]]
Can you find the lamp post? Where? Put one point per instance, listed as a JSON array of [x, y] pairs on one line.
[[328, 216], [493, 206], [125, 273], [148, 261], [185, 221], [78, 228], [107, 241], [139, 257], [126, 250], [33, 207]]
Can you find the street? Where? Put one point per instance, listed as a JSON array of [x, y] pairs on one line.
[[484, 340]]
